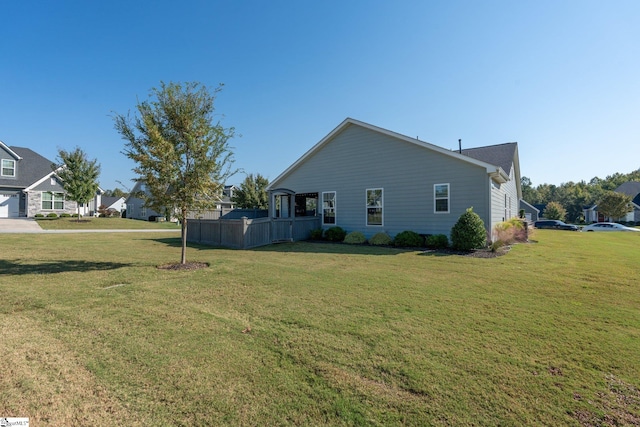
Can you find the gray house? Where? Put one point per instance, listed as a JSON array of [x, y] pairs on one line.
[[631, 189], [365, 178], [136, 209], [29, 186]]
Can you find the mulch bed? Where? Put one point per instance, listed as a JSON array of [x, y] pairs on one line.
[[182, 267], [477, 253]]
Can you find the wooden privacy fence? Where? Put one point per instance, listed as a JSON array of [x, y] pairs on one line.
[[246, 233]]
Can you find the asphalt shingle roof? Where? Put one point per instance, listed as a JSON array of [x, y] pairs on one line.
[[631, 189], [30, 168], [498, 155]]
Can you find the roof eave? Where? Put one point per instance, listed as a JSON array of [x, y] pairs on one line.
[[499, 176], [10, 151]]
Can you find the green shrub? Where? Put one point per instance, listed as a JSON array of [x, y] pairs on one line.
[[469, 232], [75, 215], [65, 215], [52, 215], [39, 215], [355, 238], [437, 241], [408, 239], [335, 234], [380, 239], [316, 234]]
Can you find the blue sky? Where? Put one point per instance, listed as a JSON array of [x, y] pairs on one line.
[[562, 78]]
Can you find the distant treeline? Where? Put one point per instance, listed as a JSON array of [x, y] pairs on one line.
[[574, 196]]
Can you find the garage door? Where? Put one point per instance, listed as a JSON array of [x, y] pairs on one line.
[[9, 205]]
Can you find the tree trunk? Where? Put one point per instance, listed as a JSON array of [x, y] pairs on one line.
[[184, 237]]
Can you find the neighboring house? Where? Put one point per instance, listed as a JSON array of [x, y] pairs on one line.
[[531, 213], [135, 205], [631, 189], [29, 186], [365, 178], [136, 209], [117, 203], [227, 195]]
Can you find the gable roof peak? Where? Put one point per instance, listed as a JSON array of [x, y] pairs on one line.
[[10, 150]]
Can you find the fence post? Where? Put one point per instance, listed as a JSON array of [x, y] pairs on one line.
[[245, 226]]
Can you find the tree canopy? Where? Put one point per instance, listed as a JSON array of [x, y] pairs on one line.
[[252, 193], [181, 154], [614, 205], [574, 196], [79, 175]]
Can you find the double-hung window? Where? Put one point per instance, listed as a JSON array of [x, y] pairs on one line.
[[329, 207], [441, 198], [374, 206], [8, 168], [51, 201]]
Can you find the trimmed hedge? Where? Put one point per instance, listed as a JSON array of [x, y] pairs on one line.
[[316, 234], [335, 234], [355, 238], [469, 232], [437, 241], [408, 239], [380, 239]]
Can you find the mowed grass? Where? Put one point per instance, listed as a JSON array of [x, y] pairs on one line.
[[319, 334], [91, 223]]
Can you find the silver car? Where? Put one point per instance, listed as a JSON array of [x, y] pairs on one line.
[[608, 226]]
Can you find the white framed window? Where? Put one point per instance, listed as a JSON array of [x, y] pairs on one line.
[[52, 201], [375, 206], [329, 207], [441, 198], [143, 211], [8, 168]]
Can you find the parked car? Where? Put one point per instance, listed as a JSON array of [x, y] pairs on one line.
[[555, 224], [608, 226]]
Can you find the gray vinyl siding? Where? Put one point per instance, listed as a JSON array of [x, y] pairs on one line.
[[498, 193], [358, 159], [46, 185]]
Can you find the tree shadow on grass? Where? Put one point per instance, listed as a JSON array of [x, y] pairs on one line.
[[20, 267], [297, 247]]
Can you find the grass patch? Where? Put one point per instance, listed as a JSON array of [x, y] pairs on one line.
[[91, 223], [319, 334]]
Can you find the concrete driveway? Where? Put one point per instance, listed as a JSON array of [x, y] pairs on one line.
[[19, 225], [30, 225]]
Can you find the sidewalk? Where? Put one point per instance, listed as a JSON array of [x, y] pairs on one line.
[[29, 225]]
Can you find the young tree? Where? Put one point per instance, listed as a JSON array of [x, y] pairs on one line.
[[554, 210], [181, 155], [78, 174], [614, 205], [252, 193]]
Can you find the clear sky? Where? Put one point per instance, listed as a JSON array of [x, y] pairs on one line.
[[560, 77]]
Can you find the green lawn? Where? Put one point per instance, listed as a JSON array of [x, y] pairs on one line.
[[319, 334], [90, 223]]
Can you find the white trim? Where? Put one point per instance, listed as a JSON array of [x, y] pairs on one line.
[[367, 206], [2, 168], [335, 207], [495, 172], [53, 200], [435, 199], [41, 180], [10, 151]]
